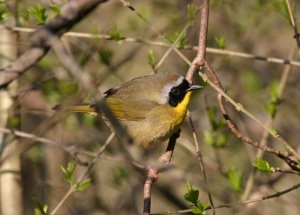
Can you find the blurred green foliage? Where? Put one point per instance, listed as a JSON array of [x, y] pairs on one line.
[[105, 56], [271, 106], [281, 8], [116, 35], [4, 12], [181, 40], [38, 12], [120, 175], [192, 11], [235, 179], [39, 208], [221, 42], [152, 60], [55, 91]]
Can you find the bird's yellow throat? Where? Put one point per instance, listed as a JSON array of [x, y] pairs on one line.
[[180, 110]]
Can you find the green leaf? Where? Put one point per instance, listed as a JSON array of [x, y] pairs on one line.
[[200, 208], [251, 80], [120, 175], [116, 35], [274, 88], [39, 208], [182, 40], [298, 164], [72, 122], [39, 14], [69, 172], [24, 19], [271, 107], [13, 121], [215, 139], [105, 56], [192, 11], [55, 10], [89, 119], [212, 114], [221, 43], [4, 13], [191, 195], [209, 137], [80, 187], [67, 88], [49, 90], [235, 179], [197, 210], [152, 61], [262, 165], [281, 8], [222, 140]]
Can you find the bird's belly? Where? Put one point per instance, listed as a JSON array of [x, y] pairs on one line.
[[152, 131]]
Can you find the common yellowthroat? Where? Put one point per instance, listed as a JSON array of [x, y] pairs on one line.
[[151, 108]]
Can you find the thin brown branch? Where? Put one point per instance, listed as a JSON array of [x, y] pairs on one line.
[[71, 13], [293, 23], [68, 62], [284, 156], [34, 138], [200, 161], [277, 194], [153, 172], [211, 50], [83, 175], [265, 135], [259, 199], [164, 57], [151, 178], [199, 59]]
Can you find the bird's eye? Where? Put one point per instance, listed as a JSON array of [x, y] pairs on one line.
[[175, 91]]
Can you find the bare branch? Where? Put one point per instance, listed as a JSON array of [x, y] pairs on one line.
[[293, 23], [71, 13], [83, 175], [199, 59], [211, 50]]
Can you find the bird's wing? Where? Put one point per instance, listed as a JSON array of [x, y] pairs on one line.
[[124, 106]]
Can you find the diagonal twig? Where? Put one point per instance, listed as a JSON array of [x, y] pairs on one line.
[[71, 13]]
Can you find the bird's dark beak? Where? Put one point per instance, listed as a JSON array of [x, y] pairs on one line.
[[194, 87]]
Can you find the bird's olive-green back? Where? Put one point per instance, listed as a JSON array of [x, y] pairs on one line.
[[136, 98]]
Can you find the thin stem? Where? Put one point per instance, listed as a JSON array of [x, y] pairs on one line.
[[265, 135], [293, 23], [83, 175], [167, 45], [200, 159]]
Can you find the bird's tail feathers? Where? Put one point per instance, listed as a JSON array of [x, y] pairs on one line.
[[77, 109]]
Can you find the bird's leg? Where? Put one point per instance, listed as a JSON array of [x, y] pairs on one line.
[[167, 156]]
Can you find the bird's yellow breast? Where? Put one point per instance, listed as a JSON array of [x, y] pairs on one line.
[[180, 110]]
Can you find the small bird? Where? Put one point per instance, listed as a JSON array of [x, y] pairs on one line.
[[151, 108]]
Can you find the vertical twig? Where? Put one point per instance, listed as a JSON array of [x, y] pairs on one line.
[[151, 178], [201, 163], [293, 23], [199, 59], [153, 173]]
